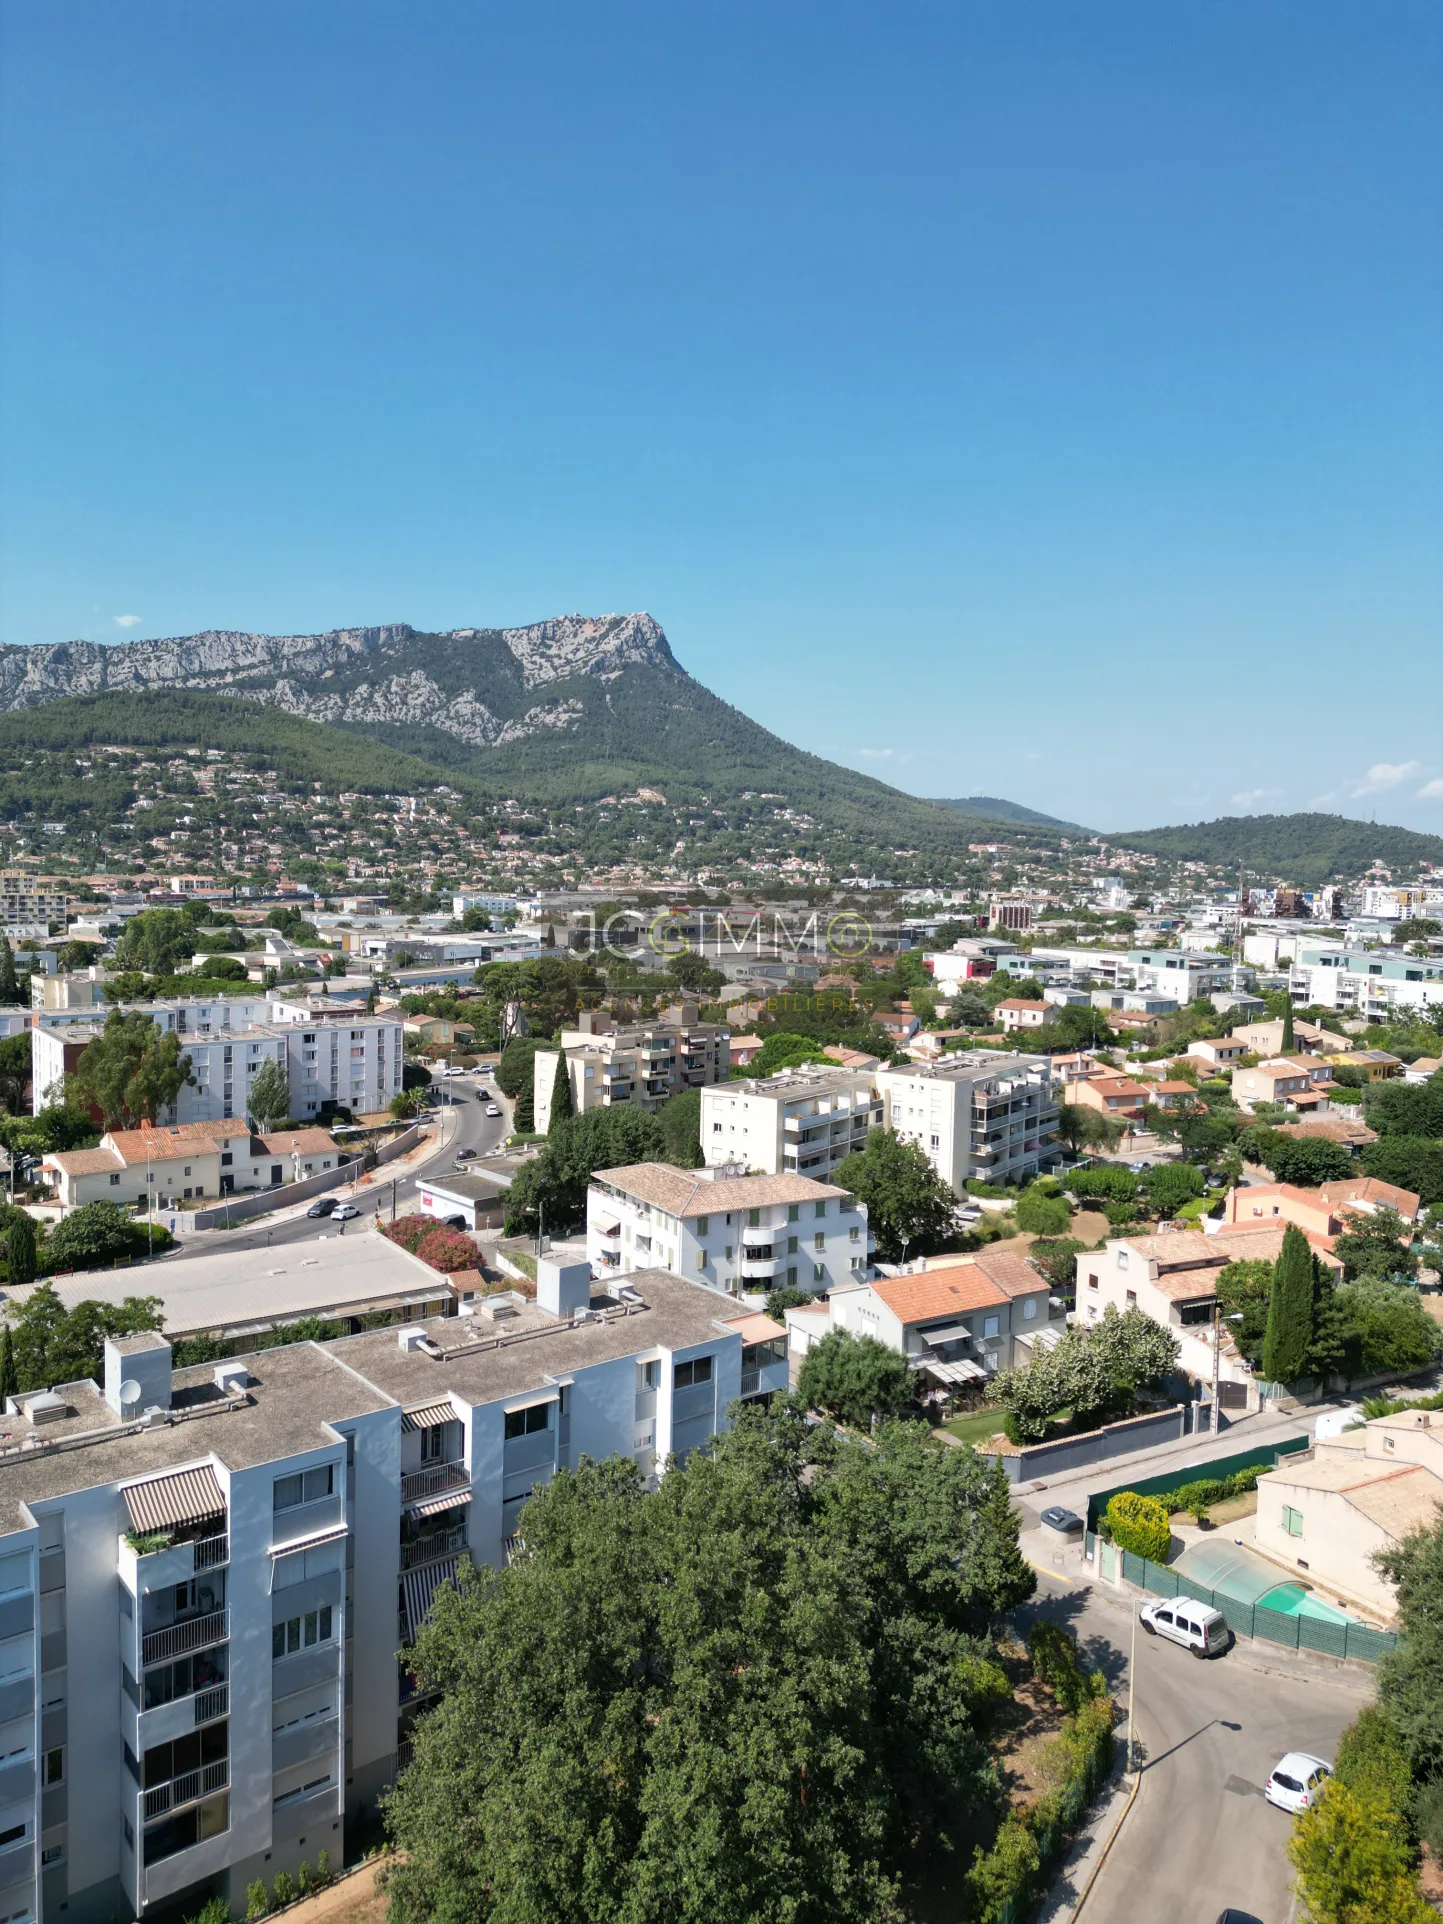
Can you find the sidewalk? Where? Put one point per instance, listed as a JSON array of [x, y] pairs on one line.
[[1073, 1879]]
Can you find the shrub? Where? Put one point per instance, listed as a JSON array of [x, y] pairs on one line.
[[1003, 1873], [1055, 1662], [283, 1890], [448, 1250], [1042, 1214], [1371, 1758], [1428, 1815], [258, 1901], [216, 1911], [1140, 1524]]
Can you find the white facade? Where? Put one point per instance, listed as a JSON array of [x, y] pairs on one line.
[[803, 1122], [642, 1065], [200, 1608], [975, 1114], [731, 1233], [1364, 981]]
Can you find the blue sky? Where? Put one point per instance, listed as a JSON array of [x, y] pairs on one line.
[[1038, 400]]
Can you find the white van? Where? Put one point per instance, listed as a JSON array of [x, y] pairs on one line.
[[1196, 1626]]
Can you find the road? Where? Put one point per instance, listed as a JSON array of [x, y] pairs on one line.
[[474, 1130], [1199, 1836]]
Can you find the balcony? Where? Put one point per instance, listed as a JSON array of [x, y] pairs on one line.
[[212, 1703], [170, 1564], [427, 1549], [431, 1481], [188, 1789], [179, 1639]]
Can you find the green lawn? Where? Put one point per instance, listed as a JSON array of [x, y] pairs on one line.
[[978, 1426]]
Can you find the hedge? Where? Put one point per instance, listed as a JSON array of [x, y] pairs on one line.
[[1139, 1524]]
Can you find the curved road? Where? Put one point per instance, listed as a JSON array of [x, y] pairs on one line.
[[1199, 1836], [474, 1129]]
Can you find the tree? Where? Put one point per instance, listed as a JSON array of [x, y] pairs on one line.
[[1244, 1290], [1071, 1124], [51, 1345], [907, 1201], [692, 973], [17, 1228], [1290, 1310], [9, 1376], [9, 981], [563, 1103], [1042, 1213], [1308, 1161], [157, 941], [784, 1051], [1410, 1677], [408, 1103], [1397, 1108], [1095, 1371], [1351, 1852], [750, 1693], [680, 1119], [1411, 1162], [1383, 1326], [95, 1232], [132, 1071], [269, 1098], [1056, 1258], [1376, 1244], [1288, 1041], [855, 1378], [1169, 1185], [553, 1187]]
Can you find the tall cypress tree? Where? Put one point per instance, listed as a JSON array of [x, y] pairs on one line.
[[9, 982], [562, 1102], [1287, 1028], [9, 1377], [1290, 1310]]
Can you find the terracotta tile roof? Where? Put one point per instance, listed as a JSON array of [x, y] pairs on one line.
[[1016, 1002], [682, 1192], [1327, 1129], [1012, 1273], [939, 1292], [309, 1142], [164, 1145], [83, 1162], [1369, 1189]]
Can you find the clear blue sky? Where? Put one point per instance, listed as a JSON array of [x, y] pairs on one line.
[[1036, 399]]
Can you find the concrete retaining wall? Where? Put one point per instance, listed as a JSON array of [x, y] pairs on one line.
[[262, 1202], [1097, 1446]]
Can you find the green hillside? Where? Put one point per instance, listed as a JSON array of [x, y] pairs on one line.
[[1003, 811], [1304, 849]]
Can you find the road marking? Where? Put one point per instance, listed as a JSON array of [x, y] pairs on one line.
[[1048, 1571]]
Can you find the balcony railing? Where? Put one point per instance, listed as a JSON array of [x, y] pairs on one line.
[[751, 1382], [441, 1543], [212, 1703], [433, 1480], [211, 1552], [181, 1638], [188, 1789]]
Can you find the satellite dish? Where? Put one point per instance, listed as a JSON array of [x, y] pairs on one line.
[[129, 1394]]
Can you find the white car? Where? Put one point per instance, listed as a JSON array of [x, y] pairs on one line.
[[1297, 1781], [492, 1110], [1196, 1626], [344, 1213]]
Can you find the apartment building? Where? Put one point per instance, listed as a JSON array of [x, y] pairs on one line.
[[729, 1231], [1365, 982], [643, 1064], [1185, 978], [972, 959], [975, 1114], [341, 1059], [802, 1122], [206, 1574], [32, 899]]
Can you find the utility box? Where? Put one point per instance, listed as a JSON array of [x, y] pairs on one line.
[[562, 1288]]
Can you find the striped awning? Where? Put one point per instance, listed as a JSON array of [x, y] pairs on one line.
[[419, 1587], [430, 1416], [186, 1496], [435, 1505]]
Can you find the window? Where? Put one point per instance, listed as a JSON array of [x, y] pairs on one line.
[[702, 1222], [819, 1242], [1092, 1282], [754, 1218], [1132, 1299], [115, 1182], [301, 1633], [990, 1326], [1292, 1521], [688, 1375], [819, 1272], [701, 1259], [54, 1768], [821, 1207], [650, 1375], [794, 1211], [431, 1441], [1029, 1308], [309, 1487], [854, 1234], [528, 1422]]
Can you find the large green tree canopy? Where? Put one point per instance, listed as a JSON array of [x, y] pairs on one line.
[[748, 1695]]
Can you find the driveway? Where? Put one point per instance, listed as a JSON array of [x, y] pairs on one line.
[[1199, 1836]]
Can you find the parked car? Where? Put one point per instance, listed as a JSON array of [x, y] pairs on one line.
[[322, 1206], [492, 1110], [1196, 1626], [1234, 1916], [1055, 1517], [464, 1155], [458, 1221], [344, 1213], [1297, 1781]]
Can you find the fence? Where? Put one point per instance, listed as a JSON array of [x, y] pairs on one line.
[[1217, 1466], [1256, 1620]]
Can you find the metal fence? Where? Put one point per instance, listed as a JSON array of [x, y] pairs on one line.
[[1256, 1620], [1266, 1456]]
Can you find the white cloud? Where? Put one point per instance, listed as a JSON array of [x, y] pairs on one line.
[[1250, 797], [128, 621], [876, 754], [1384, 775], [1324, 801], [1431, 791]]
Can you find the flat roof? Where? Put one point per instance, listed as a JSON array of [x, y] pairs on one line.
[[249, 1289]]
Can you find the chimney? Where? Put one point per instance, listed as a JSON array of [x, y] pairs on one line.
[[137, 1373]]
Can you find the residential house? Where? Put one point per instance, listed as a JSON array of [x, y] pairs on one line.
[[1218, 1052], [731, 1232], [975, 1114], [972, 959], [1113, 1095], [1302, 1084], [804, 1121], [1330, 1127], [1376, 1064], [745, 1049], [1322, 1212], [1016, 1013], [1173, 1095], [188, 1162], [1365, 982], [1309, 1038], [1422, 1068], [1185, 978], [898, 1026], [438, 1032], [857, 1059], [1329, 1514]]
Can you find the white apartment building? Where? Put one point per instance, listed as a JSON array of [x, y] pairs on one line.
[[802, 1122], [1185, 978], [1402, 904], [33, 899], [975, 1114], [643, 1065], [1365, 982], [728, 1231], [971, 959], [205, 1574], [339, 1060]]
